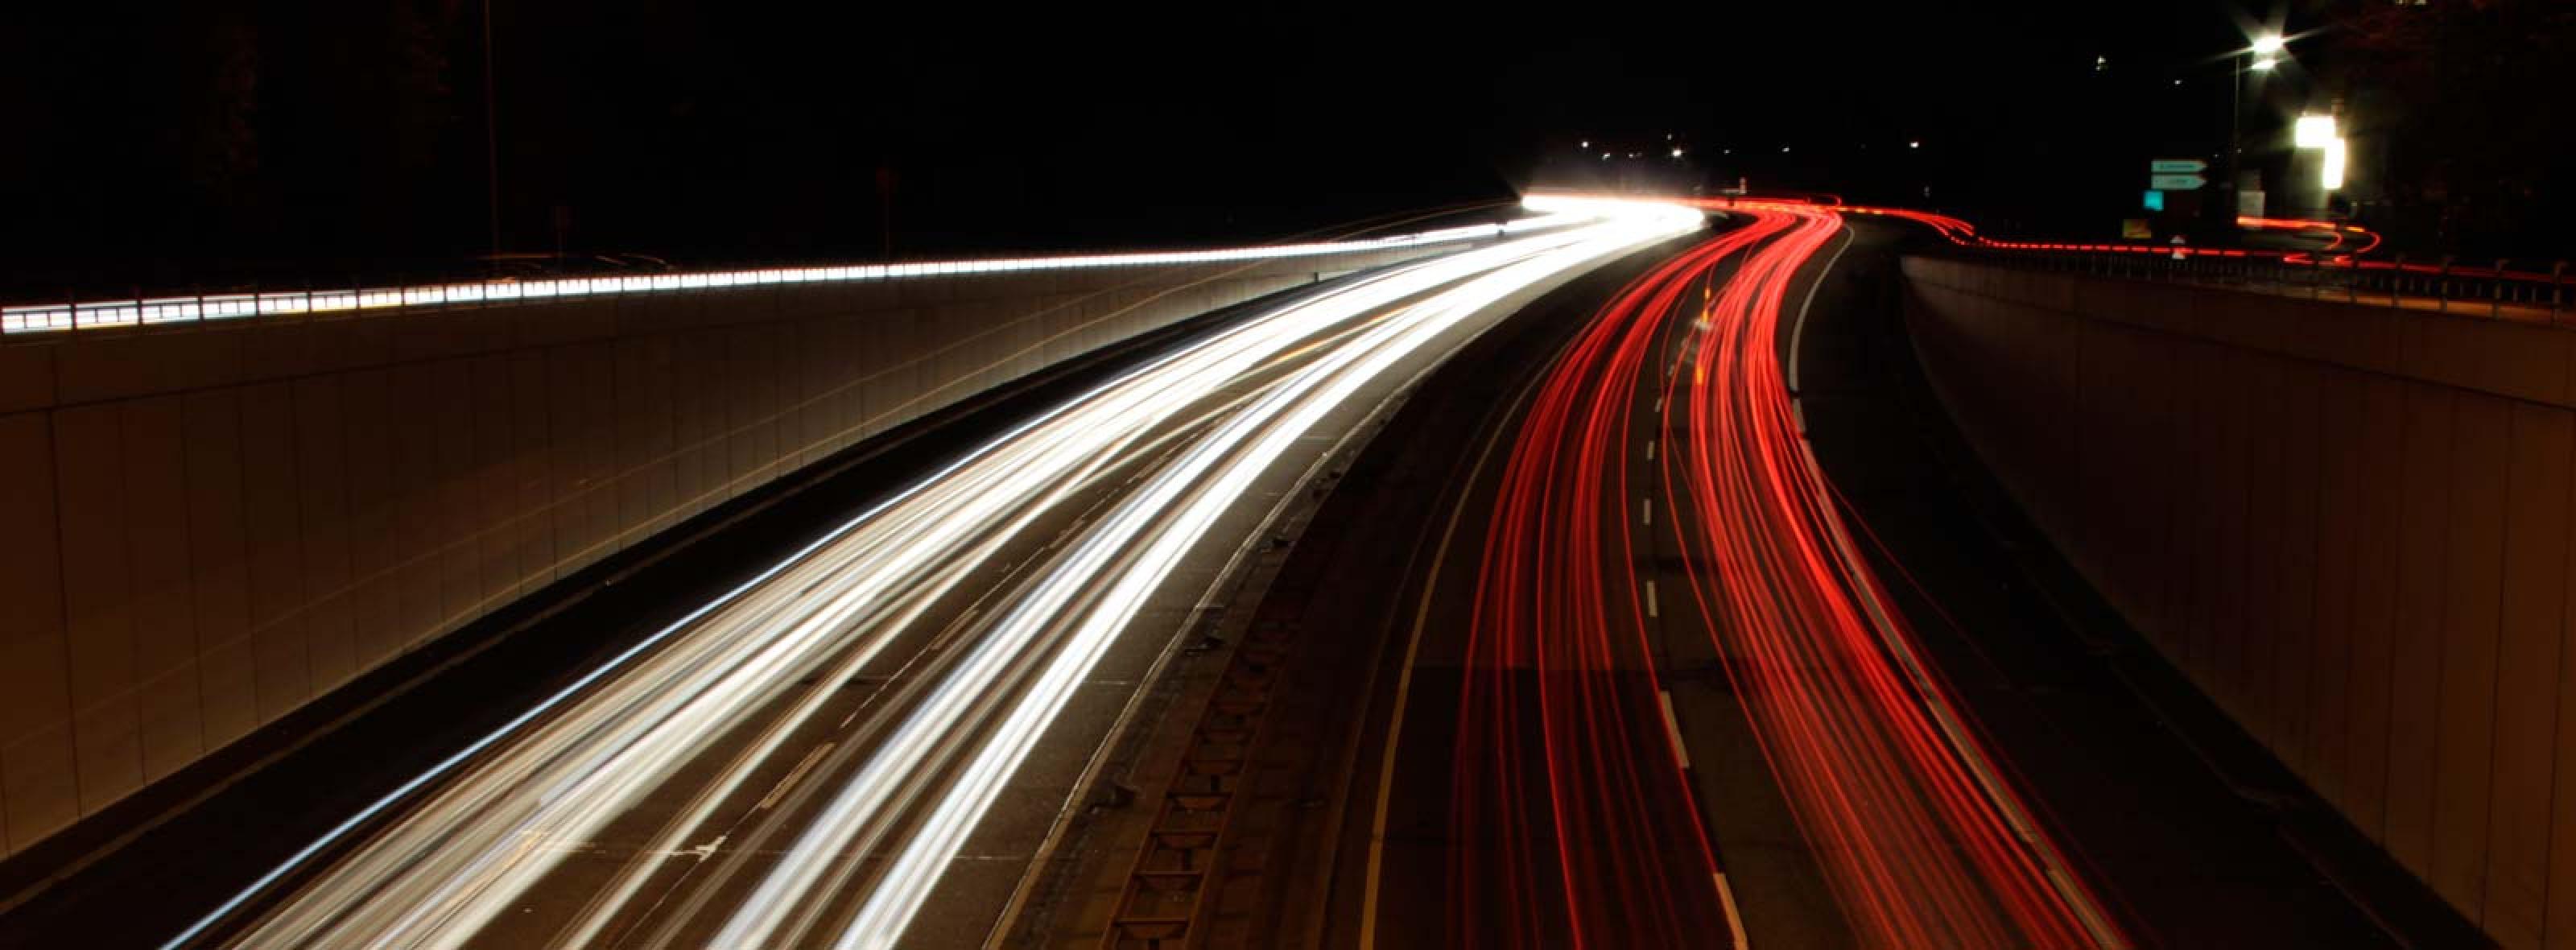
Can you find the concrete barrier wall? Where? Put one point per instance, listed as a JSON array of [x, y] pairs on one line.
[[206, 527], [2350, 526]]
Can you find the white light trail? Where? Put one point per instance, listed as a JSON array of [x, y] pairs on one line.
[[82, 315], [491, 823]]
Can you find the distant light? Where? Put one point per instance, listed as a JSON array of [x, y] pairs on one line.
[[1784, 150], [1605, 156], [2313, 131], [1913, 145], [2332, 177], [2265, 64], [1587, 144], [2101, 63], [1668, 136], [1677, 153], [2177, 82], [2268, 45]]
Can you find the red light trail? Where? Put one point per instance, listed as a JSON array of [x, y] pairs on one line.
[[1593, 840], [1558, 649]]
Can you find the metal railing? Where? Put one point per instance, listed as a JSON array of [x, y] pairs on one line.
[[2444, 285]]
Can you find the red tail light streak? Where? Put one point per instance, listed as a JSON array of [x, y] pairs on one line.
[[1920, 834]]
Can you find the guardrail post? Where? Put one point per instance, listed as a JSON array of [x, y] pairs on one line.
[[2396, 277], [2495, 294], [2557, 273], [2442, 287]]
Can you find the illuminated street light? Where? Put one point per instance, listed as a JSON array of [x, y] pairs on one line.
[[1677, 153], [1913, 145], [2259, 58], [2321, 133], [2313, 131]]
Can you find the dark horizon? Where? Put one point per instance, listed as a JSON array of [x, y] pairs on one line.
[[295, 141]]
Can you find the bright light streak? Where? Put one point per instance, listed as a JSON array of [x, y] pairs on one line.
[[2313, 131], [46, 317], [2332, 174], [765, 659], [2268, 45], [2265, 64], [1923, 838]]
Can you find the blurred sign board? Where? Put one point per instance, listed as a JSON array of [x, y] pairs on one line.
[[2177, 166], [2155, 200], [2176, 182]]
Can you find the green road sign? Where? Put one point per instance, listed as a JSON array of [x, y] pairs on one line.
[[2177, 166], [2176, 182]]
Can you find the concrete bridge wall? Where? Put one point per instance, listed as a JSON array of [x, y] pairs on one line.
[[2349, 525], [209, 525]]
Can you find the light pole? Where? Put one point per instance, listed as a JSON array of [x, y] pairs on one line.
[[2261, 56]]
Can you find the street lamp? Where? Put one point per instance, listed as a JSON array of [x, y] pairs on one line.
[[2261, 56]]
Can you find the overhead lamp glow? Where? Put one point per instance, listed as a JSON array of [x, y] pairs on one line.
[[2269, 45], [2313, 131], [2265, 64], [1677, 153], [2332, 174]]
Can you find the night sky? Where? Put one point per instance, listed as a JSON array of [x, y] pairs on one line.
[[319, 140]]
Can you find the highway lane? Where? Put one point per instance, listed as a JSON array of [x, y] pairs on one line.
[[703, 790], [1318, 619], [1429, 853], [1577, 803], [1923, 835]]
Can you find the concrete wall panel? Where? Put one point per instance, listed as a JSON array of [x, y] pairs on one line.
[[2473, 588], [89, 475], [219, 563], [212, 524], [2531, 625], [281, 665], [322, 480], [37, 793], [160, 582], [2367, 548]]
